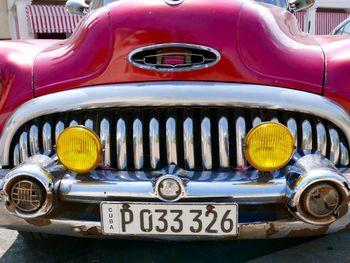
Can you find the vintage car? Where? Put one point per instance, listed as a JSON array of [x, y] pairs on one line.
[[177, 119], [342, 29]]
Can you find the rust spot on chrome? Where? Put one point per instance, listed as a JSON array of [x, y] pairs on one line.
[[307, 232], [343, 210], [94, 231], [272, 230], [39, 222]]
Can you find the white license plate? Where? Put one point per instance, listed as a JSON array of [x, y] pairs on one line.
[[169, 219]]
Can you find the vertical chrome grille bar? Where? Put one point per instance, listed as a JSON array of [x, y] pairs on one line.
[[47, 137], [275, 120], [307, 135], [206, 144], [23, 146], [321, 139], [188, 144], [89, 124], [16, 155], [344, 155], [105, 141], [58, 129], [154, 143], [240, 137], [256, 121], [224, 146], [122, 160], [34, 140], [292, 126], [335, 147], [171, 141], [138, 144], [73, 123]]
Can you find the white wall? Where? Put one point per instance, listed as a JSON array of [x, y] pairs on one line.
[[4, 28]]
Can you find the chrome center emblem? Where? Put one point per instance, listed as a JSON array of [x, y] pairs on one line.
[[169, 188], [174, 57]]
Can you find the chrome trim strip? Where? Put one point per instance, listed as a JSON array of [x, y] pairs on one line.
[[171, 45], [307, 135], [23, 146], [240, 137], [335, 147], [89, 124], [154, 146], [321, 139], [58, 129], [206, 144], [188, 144], [344, 155], [292, 126], [122, 160], [16, 155], [173, 93], [171, 141], [47, 137], [138, 144], [34, 140], [224, 146], [275, 120], [105, 141]]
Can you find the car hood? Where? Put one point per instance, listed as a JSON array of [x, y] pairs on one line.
[[258, 44]]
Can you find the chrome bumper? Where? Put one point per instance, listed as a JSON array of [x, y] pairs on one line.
[[76, 198]]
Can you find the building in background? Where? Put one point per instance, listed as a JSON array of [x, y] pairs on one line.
[[324, 16], [40, 19], [4, 21], [29, 19]]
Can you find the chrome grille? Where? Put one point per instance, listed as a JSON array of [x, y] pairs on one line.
[[201, 139]]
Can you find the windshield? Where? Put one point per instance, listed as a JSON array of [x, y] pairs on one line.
[[282, 3]]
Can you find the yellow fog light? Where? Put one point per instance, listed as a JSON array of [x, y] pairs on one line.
[[269, 146], [79, 149]]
